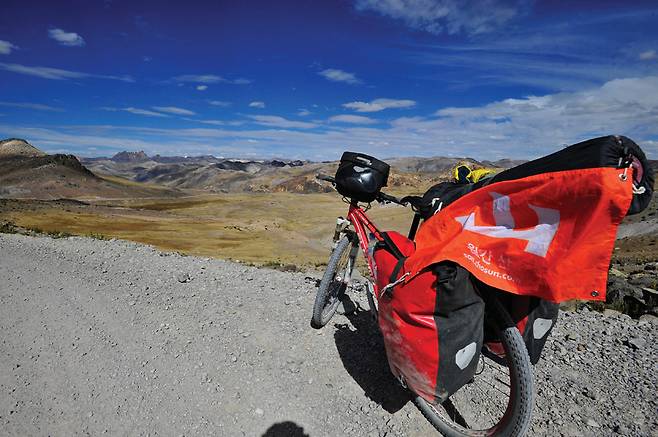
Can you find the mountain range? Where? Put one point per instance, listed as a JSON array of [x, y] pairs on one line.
[[27, 172]]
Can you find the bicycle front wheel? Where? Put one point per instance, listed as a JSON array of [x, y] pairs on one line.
[[500, 398], [334, 282]]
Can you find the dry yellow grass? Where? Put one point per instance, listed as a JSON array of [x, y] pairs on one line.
[[278, 228]]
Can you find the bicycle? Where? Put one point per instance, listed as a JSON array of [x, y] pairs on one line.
[[508, 410]]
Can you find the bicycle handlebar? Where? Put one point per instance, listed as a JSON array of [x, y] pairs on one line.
[[387, 198], [381, 197], [324, 177]]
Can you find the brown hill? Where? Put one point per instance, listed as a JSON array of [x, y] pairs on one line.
[[27, 172], [13, 147]]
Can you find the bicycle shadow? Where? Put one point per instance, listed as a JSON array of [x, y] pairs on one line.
[[285, 429], [362, 352]]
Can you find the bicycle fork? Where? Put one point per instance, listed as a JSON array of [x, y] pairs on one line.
[[341, 225]]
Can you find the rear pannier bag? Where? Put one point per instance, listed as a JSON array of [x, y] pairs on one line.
[[535, 318], [432, 326], [361, 177], [611, 151]]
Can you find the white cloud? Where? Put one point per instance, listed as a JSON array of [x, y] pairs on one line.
[[304, 112], [70, 39], [336, 75], [649, 55], [353, 119], [448, 16], [6, 47], [209, 79], [201, 78], [257, 104], [213, 122], [379, 105], [35, 106], [220, 122], [201, 87], [276, 121], [220, 103], [173, 110], [526, 127], [58, 74], [136, 111]]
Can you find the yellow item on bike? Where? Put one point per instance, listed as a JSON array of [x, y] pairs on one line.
[[464, 175], [480, 173]]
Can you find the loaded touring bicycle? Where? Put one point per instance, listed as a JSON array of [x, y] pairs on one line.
[[466, 301]]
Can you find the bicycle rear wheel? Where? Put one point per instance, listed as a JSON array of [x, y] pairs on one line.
[[500, 398], [334, 282]]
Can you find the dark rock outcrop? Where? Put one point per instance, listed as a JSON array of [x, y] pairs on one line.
[[130, 157]]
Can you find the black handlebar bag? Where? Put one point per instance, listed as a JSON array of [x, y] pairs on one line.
[[361, 177]]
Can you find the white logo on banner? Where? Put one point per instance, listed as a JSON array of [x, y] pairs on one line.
[[539, 238]]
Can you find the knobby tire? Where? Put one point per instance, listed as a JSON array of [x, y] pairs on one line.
[[516, 419], [330, 291]]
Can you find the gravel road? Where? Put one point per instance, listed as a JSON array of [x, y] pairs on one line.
[[119, 338]]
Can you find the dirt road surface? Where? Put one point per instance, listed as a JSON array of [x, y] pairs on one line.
[[117, 338]]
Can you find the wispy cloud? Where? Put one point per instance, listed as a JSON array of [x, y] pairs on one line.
[[380, 105], [220, 122], [220, 103], [494, 65], [35, 106], [563, 55], [352, 119], [173, 110], [257, 104], [276, 121], [136, 111], [70, 39], [649, 55], [201, 87], [304, 112], [209, 79], [336, 75], [58, 74], [448, 16], [6, 47]]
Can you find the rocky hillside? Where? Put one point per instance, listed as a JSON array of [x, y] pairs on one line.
[[15, 147], [27, 172]]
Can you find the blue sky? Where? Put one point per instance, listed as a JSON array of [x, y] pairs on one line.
[[309, 79]]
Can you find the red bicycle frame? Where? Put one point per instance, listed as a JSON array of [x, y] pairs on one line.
[[362, 226], [368, 235]]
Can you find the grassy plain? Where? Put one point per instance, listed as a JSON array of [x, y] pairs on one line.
[[264, 229]]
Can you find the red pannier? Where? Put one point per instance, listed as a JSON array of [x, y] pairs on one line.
[[533, 317], [432, 326]]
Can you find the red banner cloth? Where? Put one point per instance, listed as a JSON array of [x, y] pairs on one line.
[[549, 235]]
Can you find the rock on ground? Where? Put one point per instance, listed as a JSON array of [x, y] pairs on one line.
[[119, 338]]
